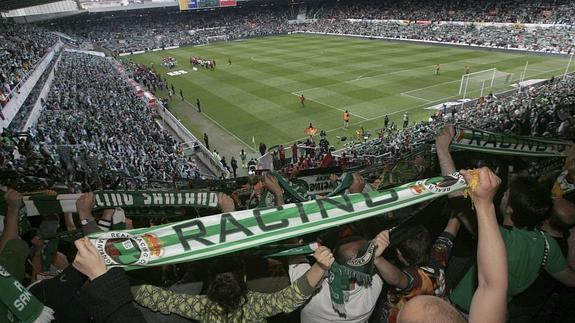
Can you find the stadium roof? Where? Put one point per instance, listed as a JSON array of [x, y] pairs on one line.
[[6, 5]]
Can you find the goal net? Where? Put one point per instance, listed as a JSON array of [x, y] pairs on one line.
[[218, 38], [483, 82]]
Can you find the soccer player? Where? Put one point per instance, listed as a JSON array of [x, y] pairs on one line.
[[346, 119], [437, 68], [467, 69], [229, 61], [302, 100]]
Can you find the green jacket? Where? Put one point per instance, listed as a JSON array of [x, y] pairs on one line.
[[257, 308]]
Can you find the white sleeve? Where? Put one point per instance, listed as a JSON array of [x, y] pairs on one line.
[[297, 270]]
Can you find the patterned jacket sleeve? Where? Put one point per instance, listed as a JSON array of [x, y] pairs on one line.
[[441, 250], [168, 302], [284, 301]]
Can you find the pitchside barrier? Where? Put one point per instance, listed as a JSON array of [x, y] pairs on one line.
[[186, 137], [203, 154]]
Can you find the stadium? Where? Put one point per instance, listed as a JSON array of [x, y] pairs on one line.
[[287, 161]]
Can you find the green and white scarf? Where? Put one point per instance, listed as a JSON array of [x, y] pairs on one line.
[[298, 190], [360, 269], [220, 234], [43, 204], [502, 144], [18, 304]]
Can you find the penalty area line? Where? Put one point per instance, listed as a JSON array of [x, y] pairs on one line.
[[332, 107], [223, 128], [415, 97]]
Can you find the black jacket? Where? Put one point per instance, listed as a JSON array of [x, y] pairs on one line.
[[108, 299]]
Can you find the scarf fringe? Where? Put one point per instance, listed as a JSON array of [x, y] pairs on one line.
[[362, 279], [340, 309], [46, 316]]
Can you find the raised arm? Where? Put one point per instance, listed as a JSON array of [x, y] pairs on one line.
[[489, 303], [168, 302], [388, 271], [442, 142], [84, 205], [292, 297], [14, 201], [107, 297]]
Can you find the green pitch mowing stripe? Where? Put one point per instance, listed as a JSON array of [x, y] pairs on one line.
[[258, 94]]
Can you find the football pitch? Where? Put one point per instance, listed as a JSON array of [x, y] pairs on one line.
[[256, 96]]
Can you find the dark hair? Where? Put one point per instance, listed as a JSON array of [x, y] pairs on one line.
[[416, 248], [339, 255], [226, 285], [531, 203]]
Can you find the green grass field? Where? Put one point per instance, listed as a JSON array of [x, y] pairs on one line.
[[256, 96]]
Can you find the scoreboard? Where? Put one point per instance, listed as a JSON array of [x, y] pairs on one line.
[[201, 4]]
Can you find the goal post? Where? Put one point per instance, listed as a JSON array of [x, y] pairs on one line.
[[218, 38], [483, 78]]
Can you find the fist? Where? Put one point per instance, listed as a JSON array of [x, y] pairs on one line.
[[487, 186], [272, 185], [381, 242], [226, 203], [13, 199], [358, 184], [86, 203], [444, 137], [88, 260], [324, 257]]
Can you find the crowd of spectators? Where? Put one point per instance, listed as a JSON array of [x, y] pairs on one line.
[[21, 48], [130, 33], [93, 114], [444, 261], [509, 11], [547, 110], [558, 39], [163, 29], [436, 271]]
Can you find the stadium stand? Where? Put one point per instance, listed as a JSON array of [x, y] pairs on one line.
[[104, 186], [20, 49]]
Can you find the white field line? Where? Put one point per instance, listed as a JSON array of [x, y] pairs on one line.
[[414, 97], [378, 117], [224, 128], [331, 106], [428, 87], [407, 109], [357, 79]]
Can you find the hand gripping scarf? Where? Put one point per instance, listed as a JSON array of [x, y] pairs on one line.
[[360, 269]]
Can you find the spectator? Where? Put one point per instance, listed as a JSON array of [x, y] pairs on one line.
[[234, 165], [489, 300]]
